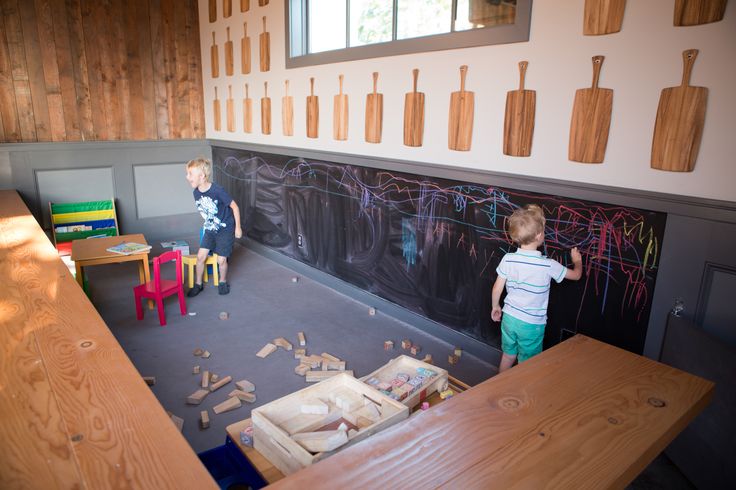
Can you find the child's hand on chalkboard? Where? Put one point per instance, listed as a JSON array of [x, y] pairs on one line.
[[576, 257], [496, 314]]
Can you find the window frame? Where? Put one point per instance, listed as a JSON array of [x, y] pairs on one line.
[[505, 34]]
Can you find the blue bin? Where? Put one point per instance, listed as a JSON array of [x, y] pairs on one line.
[[229, 468]]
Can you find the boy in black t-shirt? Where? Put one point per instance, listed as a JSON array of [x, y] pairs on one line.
[[221, 222]]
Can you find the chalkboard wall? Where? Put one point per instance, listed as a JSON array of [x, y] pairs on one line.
[[432, 245]]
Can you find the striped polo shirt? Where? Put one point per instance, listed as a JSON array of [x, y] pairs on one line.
[[528, 275]]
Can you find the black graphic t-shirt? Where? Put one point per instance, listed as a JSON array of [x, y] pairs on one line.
[[214, 206]]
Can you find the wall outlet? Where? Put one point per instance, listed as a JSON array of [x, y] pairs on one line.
[[299, 240]]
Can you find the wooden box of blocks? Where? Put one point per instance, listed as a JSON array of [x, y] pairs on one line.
[[411, 367], [341, 399]]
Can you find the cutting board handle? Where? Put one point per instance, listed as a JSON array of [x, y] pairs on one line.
[[375, 82], [311, 86], [463, 73], [265, 90], [228, 33], [264, 24], [213, 38], [597, 64], [245, 29], [688, 60], [246, 91], [340, 77], [286, 88], [522, 73], [415, 74], [215, 93], [230, 91]]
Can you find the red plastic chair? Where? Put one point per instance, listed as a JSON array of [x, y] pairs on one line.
[[159, 288]]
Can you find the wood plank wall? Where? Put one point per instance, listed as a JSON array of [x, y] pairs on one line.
[[85, 70]]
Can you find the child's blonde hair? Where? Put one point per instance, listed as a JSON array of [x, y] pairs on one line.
[[203, 165], [526, 223]]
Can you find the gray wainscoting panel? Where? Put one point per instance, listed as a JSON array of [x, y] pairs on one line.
[[161, 190], [73, 185], [715, 306]]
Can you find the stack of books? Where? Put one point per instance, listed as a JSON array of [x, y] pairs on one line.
[[129, 248]]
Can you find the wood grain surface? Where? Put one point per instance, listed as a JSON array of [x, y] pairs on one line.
[[696, 12], [230, 109], [212, 9], [460, 125], [264, 44], [518, 123], [287, 112], [247, 112], [591, 120], [244, 5], [603, 16], [414, 114], [227, 8], [245, 51], [217, 112], [228, 54], [265, 110], [76, 413], [582, 414], [678, 127], [374, 113], [340, 114], [214, 57], [312, 112]]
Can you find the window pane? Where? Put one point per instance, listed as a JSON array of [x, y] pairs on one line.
[[417, 18], [370, 21], [326, 25], [472, 14]]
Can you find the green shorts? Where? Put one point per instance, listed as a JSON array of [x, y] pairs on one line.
[[521, 339]]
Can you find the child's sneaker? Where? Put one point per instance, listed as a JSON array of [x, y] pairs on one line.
[[195, 290], [223, 288]]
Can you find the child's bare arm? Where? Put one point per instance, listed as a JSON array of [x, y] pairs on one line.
[[496, 298], [577, 261], [236, 215]]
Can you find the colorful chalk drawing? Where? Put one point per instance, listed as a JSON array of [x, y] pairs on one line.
[[432, 245]]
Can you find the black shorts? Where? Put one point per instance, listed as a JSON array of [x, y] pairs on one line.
[[220, 242]]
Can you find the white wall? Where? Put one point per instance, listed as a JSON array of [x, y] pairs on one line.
[[643, 58]]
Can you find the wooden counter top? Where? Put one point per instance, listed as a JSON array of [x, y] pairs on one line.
[[582, 414], [75, 412]]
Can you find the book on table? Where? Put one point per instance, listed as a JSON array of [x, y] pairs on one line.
[[129, 248]]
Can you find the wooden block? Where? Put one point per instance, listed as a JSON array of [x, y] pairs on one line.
[[214, 377], [312, 361], [406, 344], [324, 364], [204, 419], [245, 385], [301, 369], [316, 407], [316, 376], [221, 383], [198, 352], [346, 400], [283, 343], [388, 345], [195, 370], [322, 441], [415, 349], [205, 379], [150, 380], [428, 359], [197, 397], [300, 353], [352, 433], [243, 396], [334, 365], [452, 359], [266, 350], [227, 405], [178, 421], [206, 355], [329, 357], [458, 352], [302, 340]]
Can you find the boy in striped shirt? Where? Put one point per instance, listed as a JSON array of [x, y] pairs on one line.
[[527, 275]]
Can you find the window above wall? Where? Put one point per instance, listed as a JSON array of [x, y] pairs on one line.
[[330, 31]]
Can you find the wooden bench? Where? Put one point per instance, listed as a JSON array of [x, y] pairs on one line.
[[76, 413]]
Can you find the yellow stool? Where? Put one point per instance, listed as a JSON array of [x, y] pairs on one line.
[[190, 261]]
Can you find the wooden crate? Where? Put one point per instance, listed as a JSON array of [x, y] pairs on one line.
[[409, 365], [275, 422]]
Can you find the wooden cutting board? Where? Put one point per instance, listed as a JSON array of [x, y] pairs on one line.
[[265, 110], [603, 16], [374, 113], [679, 124], [216, 111], [462, 106], [213, 10], [695, 12], [287, 111], [262, 3], [591, 120], [230, 109], [414, 114], [228, 55], [214, 57], [312, 112], [340, 115], [265, 48], [245, 51], [244, 5], [227, 8], [247, 112], [518, 123]]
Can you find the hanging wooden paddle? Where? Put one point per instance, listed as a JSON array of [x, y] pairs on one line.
[[374, 113], [262, 3], [244, 5], [265, 110], [460, 127], [213, 10], [287, 111], [247, 112], [227, 8], [680, 120], [228, 55], [312, 112], [230, 109], [591, 119], [414, 114], [696, 12], [340, 115], [518, 123], [265, 48], [603, 16], [214, 57], [216, 112], [245, 51]]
